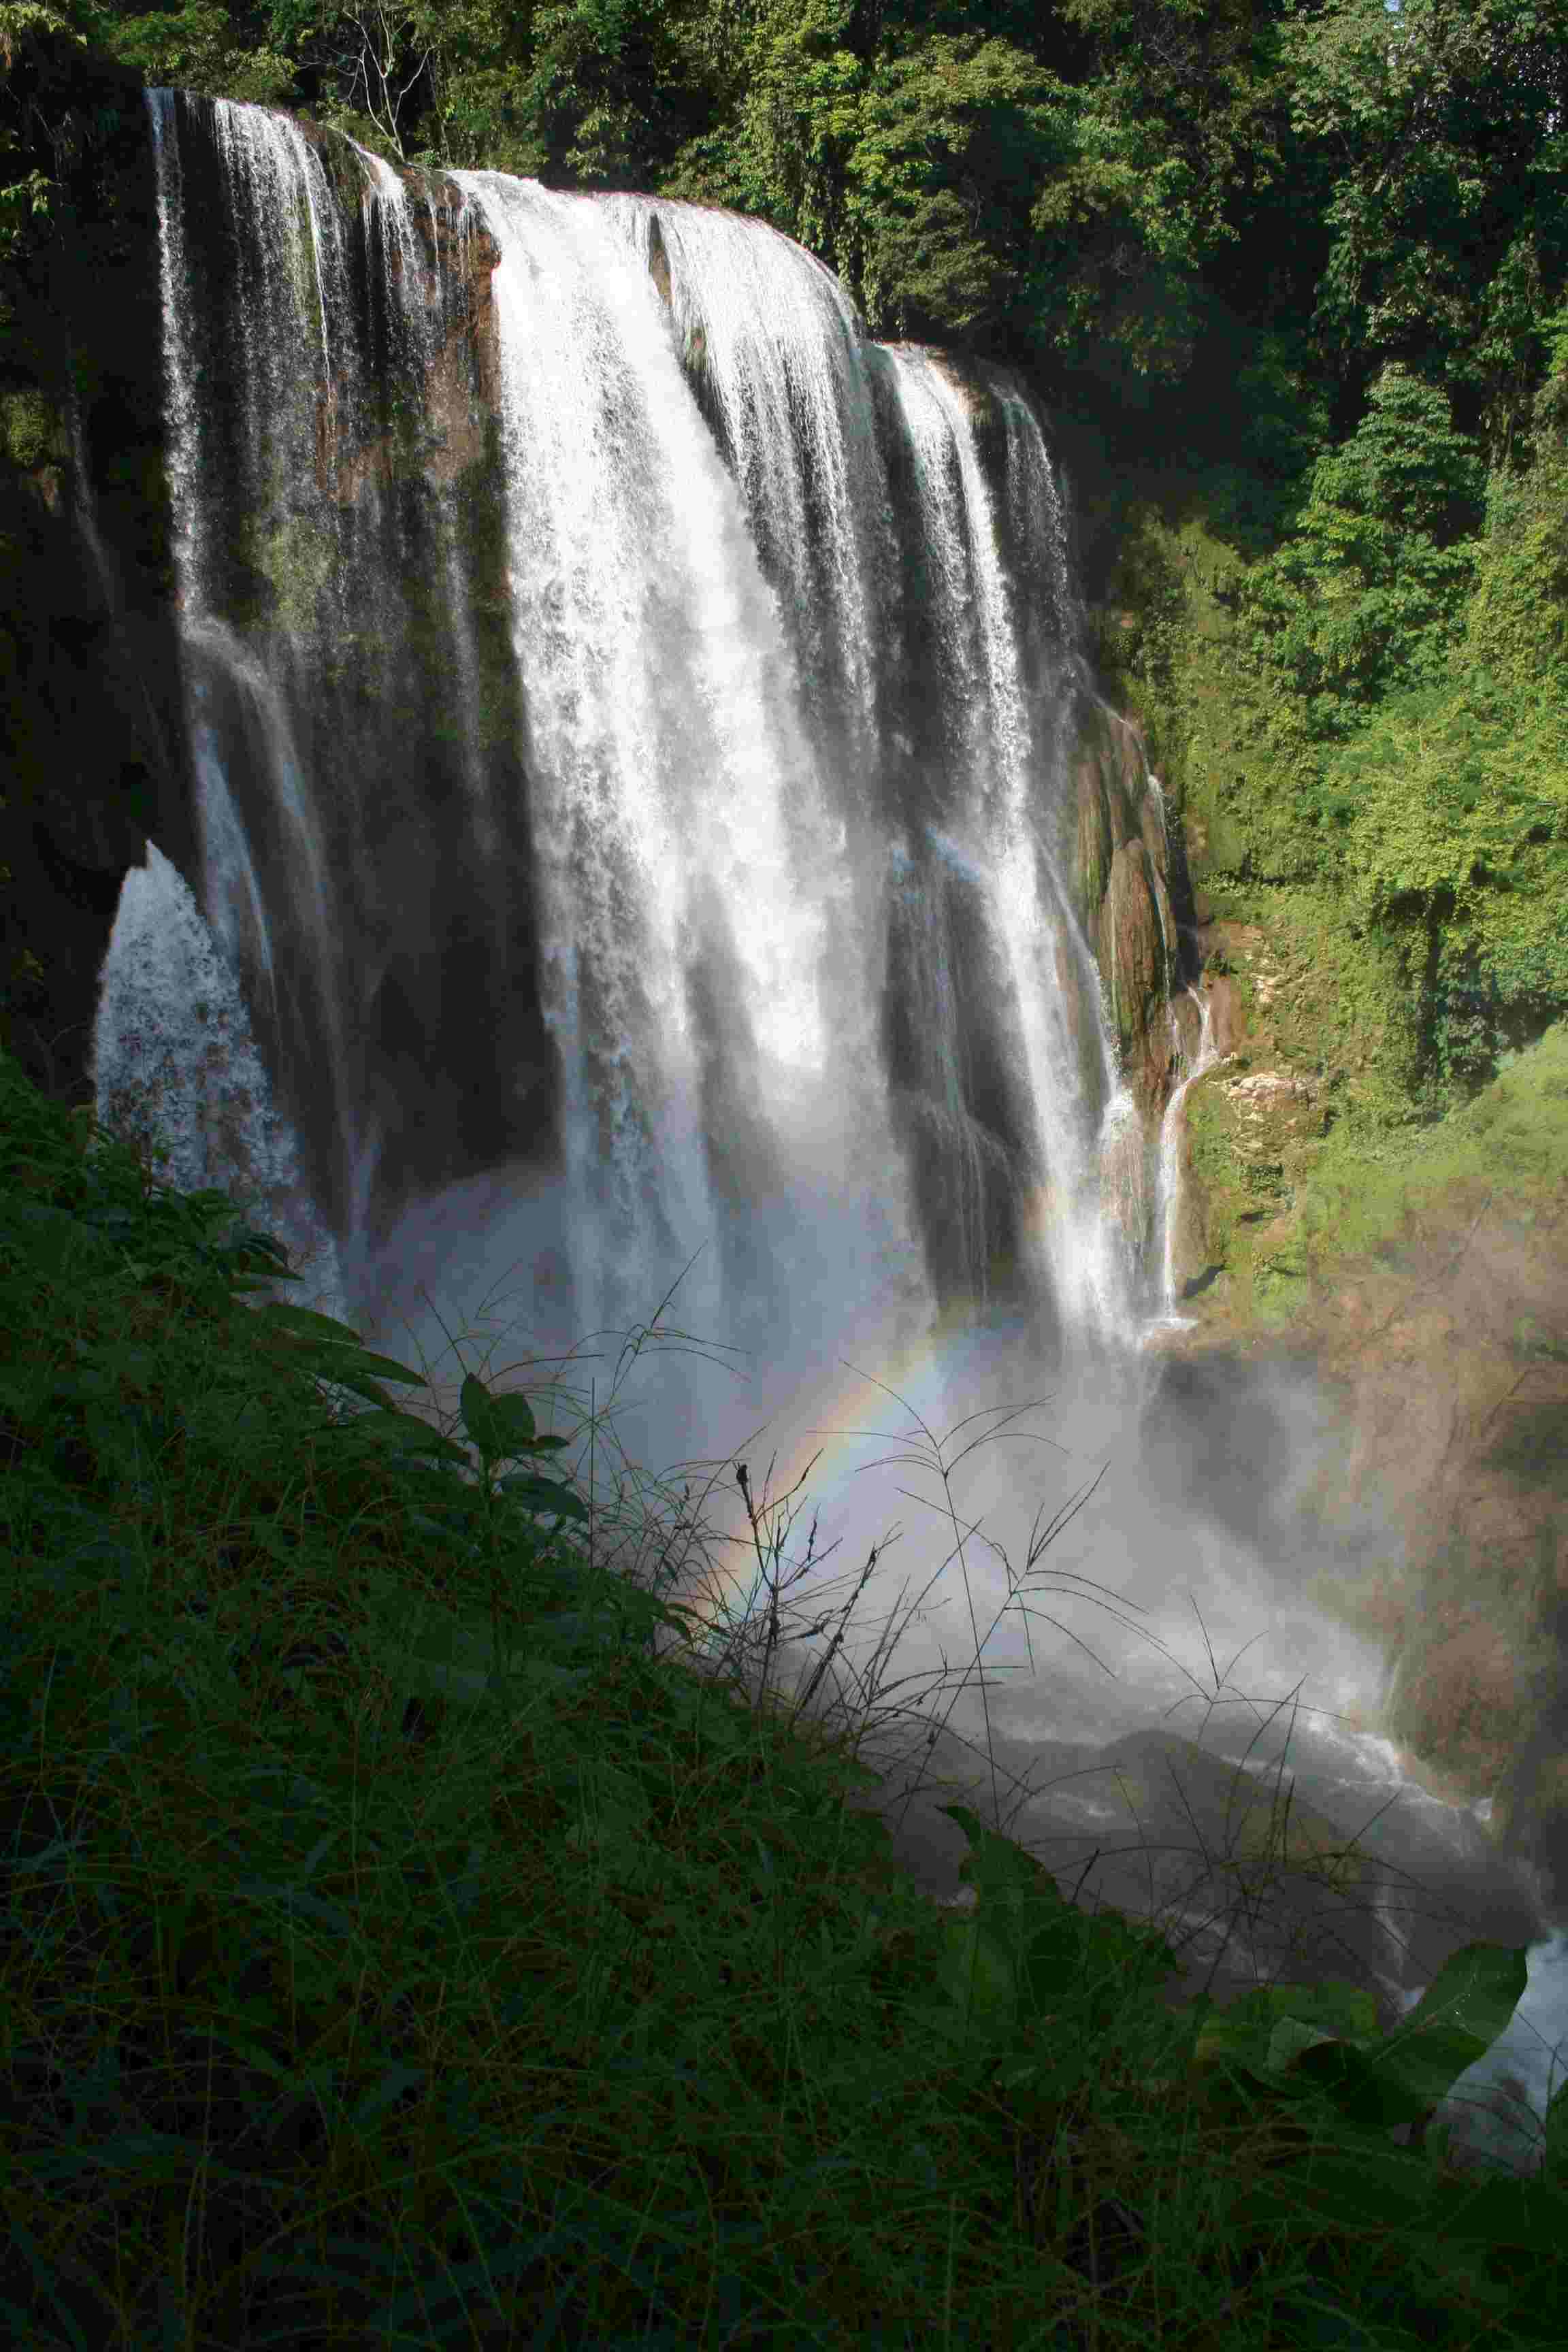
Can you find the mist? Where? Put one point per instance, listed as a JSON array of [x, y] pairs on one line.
[[1132, 1541]]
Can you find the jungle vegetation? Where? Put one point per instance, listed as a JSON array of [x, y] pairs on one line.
[[1289, 279]]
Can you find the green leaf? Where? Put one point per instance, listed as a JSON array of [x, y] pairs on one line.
[[544, 1495], [1465, 2008], [307, 1323], [1244, 2027], [500, 1426], [350, 1376], [386, 1369], [402, 1433], [1294, 2041], [976, 1969]]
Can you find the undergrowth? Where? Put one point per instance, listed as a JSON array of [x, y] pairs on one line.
[[423, 1926]]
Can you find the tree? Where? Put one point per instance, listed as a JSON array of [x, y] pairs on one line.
[[614, 90], [29, 31], [1449, 209], [951, 141], [197, 45], [372, 58], [961, 188], [1368, 594]]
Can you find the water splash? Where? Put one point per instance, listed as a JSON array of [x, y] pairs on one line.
[[175, 1064]]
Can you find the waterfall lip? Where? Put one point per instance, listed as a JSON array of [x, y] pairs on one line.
[[636, 213]]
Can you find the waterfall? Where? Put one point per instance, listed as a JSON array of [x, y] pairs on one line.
[[655, 826], [632, 717]]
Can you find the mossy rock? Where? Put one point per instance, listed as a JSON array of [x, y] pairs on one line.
[[32, 430], [296, 560]]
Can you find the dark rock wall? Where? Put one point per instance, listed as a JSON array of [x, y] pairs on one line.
[[92, 741]]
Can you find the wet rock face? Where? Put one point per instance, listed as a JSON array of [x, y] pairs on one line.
[[458, 367], [1133, 963], [1121, 885], [1250, 1124], [1246, 1133]]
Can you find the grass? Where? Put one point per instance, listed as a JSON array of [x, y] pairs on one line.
[[424, 1926]]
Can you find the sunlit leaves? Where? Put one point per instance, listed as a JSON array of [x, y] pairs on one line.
[[1366, 596]]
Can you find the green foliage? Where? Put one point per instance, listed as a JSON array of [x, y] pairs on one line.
[[948, 142], [784, 153], [1517, 623], [1440, 801], [401, 1948], [1232, 744], [29, 29], [1451, 811], [31, 435], [1273, 424], [1119, 234], [196, 45], [1393, 733], [1437, 257], [1510, 1143], [26, 24], [609, 96], [962, 189], [1366, 595]]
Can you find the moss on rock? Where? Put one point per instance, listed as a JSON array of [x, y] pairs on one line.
[[32, 432]]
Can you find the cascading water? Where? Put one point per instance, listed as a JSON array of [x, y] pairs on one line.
[[638, 730], [178, 1059], [606, 634]]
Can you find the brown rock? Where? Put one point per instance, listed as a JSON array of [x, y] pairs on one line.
[[1120, 859], [1133, 963]]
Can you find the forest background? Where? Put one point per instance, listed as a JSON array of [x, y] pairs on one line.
[[1290, 282]]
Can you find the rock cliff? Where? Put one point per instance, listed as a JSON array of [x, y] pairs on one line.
[[1422, 1290], [93, 753]]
